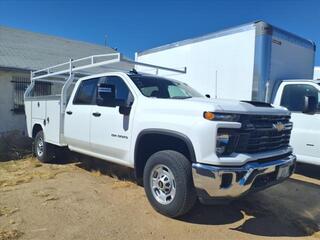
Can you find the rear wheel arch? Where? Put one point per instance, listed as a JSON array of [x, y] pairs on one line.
[[36, 128], [150, 141]]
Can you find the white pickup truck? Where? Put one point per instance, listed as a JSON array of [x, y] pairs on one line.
[[184, 145]]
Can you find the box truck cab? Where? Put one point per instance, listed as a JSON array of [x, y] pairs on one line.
[[316, 73], [250, 62], [301, 97]]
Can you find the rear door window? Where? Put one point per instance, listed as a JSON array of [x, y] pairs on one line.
[[86, 92]]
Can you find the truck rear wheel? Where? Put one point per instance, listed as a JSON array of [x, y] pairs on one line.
[[168, 183], [43, 150]]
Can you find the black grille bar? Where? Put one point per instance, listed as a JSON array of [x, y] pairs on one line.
[[260, 133]]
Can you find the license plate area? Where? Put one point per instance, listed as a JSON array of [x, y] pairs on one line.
[[283, 172]]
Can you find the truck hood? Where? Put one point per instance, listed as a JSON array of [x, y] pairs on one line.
[[200, 105], [241, 107]]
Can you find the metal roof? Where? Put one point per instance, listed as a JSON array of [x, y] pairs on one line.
[[25, 50]]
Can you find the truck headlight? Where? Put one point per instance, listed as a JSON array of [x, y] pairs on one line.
[[228, 117], [222, 143], [226, 141]]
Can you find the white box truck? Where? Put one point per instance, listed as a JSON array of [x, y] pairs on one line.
[[183, 145], [316, 73], [254, 62]]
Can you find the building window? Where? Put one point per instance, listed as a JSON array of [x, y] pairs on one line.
[[20, 85]]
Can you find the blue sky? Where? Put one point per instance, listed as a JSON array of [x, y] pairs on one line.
[[138, 25]]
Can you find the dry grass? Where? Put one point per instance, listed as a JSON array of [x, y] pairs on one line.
[[122, 184], [10, 234], [5, 211], [14, 173], [46, 195]]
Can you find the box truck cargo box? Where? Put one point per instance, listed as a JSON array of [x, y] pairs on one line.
[[245, 62], [316, 74]]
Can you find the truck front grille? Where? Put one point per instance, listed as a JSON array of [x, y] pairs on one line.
[[262, 133]]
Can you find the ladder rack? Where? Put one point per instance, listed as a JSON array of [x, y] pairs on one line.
[[66, 73], [90, 65]]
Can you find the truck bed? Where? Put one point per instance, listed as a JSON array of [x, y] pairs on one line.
[[47, 113]]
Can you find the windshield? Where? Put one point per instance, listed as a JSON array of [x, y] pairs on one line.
[[158, 87]]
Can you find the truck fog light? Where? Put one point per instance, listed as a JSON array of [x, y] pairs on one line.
[[222, 143]]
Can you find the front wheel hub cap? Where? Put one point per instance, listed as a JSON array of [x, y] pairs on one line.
[[163, 185]]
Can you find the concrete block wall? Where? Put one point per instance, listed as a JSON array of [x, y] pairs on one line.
[[10, 121]]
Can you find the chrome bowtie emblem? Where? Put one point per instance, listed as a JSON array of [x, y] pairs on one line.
[[279, 126]]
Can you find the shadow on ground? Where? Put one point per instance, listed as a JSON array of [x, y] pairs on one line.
[[14, 146], [308, 170], [290, 209], [97, 165]]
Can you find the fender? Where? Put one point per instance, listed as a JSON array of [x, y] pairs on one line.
[[166, 132]]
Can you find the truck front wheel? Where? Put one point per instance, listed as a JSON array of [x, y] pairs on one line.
[[43, 150], [168, 183]]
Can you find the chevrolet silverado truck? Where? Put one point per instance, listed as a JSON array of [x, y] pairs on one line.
[[183, 145]]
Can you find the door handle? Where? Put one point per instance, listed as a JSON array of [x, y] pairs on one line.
[[96, 114], [69, 112]]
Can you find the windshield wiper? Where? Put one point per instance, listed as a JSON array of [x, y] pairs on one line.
[[181, 97]]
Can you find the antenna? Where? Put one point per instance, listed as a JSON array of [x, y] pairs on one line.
[[216, 83], [105, 40]]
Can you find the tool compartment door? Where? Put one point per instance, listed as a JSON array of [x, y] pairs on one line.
[[38, 109], [53, 122]]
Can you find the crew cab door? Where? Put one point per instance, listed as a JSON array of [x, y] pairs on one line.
[[78, 115], [111, 130], [305, 137]]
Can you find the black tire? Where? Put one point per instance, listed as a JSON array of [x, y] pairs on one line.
[[180, 167], [45, 153]]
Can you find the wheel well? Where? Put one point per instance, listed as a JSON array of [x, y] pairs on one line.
[[36, 128], [149, 143]]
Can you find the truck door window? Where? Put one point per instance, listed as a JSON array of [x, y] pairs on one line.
[[122, 91], [86, 92], [293, 96]]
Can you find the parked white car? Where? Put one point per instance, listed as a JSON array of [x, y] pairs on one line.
[[252, 62], [184, 145]]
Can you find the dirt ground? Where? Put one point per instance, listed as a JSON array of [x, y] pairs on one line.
[[100, 201]]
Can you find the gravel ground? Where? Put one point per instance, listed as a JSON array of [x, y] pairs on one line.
[[101, 201]]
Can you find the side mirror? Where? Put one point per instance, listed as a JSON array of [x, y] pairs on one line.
[[106, 95], [124, 110], [125, 106], [208, 95], [310, 105]]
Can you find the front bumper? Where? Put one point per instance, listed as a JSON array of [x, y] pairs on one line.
[[215, 182]]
